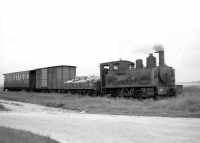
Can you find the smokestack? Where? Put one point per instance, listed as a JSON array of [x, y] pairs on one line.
[[161, 58], [160, 49]]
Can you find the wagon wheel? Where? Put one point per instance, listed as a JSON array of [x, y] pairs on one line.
[[92, 93], [124, 92], [84, 92], [132, 93], [144, 94], [140, 97]]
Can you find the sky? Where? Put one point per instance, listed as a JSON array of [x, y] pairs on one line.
[[85, 33]]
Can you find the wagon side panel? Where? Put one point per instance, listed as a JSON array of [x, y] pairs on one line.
[[59, 77], [66, 77]]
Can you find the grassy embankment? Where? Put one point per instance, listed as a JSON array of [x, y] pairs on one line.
[[2, 108], [186, 104], [1, 88], [8, 135]]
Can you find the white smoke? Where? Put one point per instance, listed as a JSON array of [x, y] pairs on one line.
[[158, 47]]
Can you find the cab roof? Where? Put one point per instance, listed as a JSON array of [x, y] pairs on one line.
[[120, 61]]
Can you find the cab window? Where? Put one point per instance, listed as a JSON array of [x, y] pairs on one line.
[[131, 66], [116, 67]]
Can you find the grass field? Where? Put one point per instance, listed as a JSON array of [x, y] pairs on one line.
[[1, 88], [8, 135], [2, 107], [186, 104]]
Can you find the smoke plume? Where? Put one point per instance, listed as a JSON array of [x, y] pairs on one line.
[[158, 47]]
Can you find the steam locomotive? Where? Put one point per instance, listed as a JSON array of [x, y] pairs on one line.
[[118, 78]]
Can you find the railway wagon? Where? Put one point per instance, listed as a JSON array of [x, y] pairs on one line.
[[53, 78], [89, 87], [24, 80], [43, 79]]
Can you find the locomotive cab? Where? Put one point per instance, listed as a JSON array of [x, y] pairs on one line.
[[113, 67]]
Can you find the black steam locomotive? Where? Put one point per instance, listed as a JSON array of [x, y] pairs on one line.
[[120, 78], [117, 78]]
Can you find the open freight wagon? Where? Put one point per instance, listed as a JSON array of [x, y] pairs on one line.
[[53, 78], [85, 82]]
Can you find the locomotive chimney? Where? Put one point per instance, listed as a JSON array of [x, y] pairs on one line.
[[161, 58]]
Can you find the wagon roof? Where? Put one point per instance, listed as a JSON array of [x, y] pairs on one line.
[[39, 68], [56, 66], [16, 72]]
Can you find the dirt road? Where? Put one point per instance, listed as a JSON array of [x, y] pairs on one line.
[[71, 127]]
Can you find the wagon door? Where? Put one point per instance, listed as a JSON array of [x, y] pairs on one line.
[[38, 78], [66, 75], [32, 79], [53, 74], [49, 79], [44, 78], [59, 78]]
